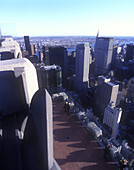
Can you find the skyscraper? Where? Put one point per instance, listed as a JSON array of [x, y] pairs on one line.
[[51, 77], [82, 67], [27, 44], [58, 56], [46, 55], [32, 49], [106, 92], [112, 117], [129, 52], [103, 54]]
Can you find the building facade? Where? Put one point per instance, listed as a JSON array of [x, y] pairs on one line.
[[112, 117], [103, 55], [82, 67], [58, 56], [129, 52], [27, 44], [106, 92], [51, 77]]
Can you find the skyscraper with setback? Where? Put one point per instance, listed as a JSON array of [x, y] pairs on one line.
[[106, 92]]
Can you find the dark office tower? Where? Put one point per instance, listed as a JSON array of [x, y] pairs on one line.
[[51, 78], [27, 44], [130, 52], [46, 55], [71, 64], [103, 55], [58, 56], [32, 58], [82, 67]]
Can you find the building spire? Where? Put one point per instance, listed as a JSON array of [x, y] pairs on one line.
[[97, 34]]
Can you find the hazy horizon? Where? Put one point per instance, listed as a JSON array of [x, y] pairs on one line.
[[68, 36]]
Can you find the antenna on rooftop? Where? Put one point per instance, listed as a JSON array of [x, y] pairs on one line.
[[97, 34]]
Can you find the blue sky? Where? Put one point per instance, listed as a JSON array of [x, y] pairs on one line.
[[67, 17]]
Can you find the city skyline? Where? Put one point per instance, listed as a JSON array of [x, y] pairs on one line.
[[67, 18], [103, 103]]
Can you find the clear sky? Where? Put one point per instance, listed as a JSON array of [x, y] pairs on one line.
[[67, 17]]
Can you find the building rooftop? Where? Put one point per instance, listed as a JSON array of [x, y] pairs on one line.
[[74, 147], [8, 44], [50, 67], [111, 84]]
